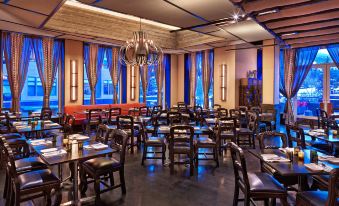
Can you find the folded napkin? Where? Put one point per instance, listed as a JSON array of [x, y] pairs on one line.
[[79, 137], [164, 128], [40, 142], [54, 149], [274, 158], [51, 125], [96, 146], [19, 123], [54, 153], [334, 160], [325, 157], [286, 149], [23, 127], [314, 167]]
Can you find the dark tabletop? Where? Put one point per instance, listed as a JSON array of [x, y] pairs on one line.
[[330, 137], [76, 155], [294, 168], [38, 127]]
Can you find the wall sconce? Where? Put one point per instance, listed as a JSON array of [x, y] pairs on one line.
[[223, 83], [133, 77], [74, 80]]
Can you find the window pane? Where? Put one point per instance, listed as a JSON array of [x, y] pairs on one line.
[[322, 57], [199, 98], [310, 93], [6, 95], [104, 87], [334, 87], [152, 90]]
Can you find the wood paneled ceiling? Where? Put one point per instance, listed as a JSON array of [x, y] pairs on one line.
[[297, 23], [208, 23]]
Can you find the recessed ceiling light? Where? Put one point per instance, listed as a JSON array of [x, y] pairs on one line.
[[268, 12], [290, 34]]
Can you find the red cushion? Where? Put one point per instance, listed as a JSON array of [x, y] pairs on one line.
[[71, 109]]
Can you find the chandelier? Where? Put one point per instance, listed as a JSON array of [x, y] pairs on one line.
[[140, 50]]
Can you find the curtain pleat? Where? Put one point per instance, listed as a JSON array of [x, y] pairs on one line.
[[206, 77], [297, 64], [91, 60], [160, 71], [193, 78], [144, 80], [333, 50], [115, 70], [14, 49]]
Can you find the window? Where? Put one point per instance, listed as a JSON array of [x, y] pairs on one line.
[[199, 92], [320, 85], [32, 92], [104, 88], [152, 90]]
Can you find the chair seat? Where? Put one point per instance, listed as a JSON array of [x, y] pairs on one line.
[[29, 164], [11, 136], [181, 149], [154, 141], [101, 164], [263, 182], [16, 141], [313, 198], [150, 128], [205, 141], [244, 131], [37, 178]]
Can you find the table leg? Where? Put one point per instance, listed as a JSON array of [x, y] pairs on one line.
[[75, 183]]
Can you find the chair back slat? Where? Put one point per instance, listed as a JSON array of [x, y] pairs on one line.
[[295, 134], [272, 141]]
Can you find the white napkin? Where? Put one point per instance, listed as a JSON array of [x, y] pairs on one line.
[[325, 157], [55, 153], [274, 158], [99, 146], [49, 150], [314, 167], [40, 142], [333, 160]]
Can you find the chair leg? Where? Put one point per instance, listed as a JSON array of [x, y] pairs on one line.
[[83, 182], [97, 188], [122, 180], [6, 185], [163, 154], [17, 198], [48, 198], [58, 196], [191, 164], [283, 201], [253, 141], [247, 201], [215, 153], [132, 144], [171, 164], [196, 157], [144, 154], [111, 178], [236, 195]]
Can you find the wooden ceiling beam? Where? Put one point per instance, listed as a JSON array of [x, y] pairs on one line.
[[298, 11], [304, 20], [308, 27], [311, 39], [313, 33], [266, 5], [315, 43]]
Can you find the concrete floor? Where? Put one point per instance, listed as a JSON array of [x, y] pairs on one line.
[[152, 184]]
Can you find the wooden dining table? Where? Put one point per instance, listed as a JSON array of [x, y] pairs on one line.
[[294, 168], [73, 156], [330, 138]]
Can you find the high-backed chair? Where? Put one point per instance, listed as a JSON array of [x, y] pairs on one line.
[[144, 111], [126, 123], [102, 133], [254, 185], [246, 136], [181, 143], [207, 143], [155, 142], [98, 167], [225, 132], [295, 134], [93, 119], [322, 118], [30, 185], [222, 112], [46, 113], [174, 118], [216, 106], [112, 115], [321, 198]]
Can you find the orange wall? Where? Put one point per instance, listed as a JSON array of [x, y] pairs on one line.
[[73, 51]]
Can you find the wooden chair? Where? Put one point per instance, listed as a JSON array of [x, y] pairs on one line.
[[321, 198], [154, 142], [126, 123], [225, 131], [174, 118], [222, 112], [254, 185], [246, 136], [181, 143], [30, 185], [93, 119], [144, 111], [46, 113], [216, 106], [298, 137], [102, 133], [112, 115], [156, 110], [209, 142], [98, 168]]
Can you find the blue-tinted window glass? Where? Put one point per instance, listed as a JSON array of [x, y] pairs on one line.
[[152, 90]]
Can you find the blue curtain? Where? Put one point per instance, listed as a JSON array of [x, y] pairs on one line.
[[62, 67], [101, 55], [123, 83], [167, 59], [187, 79], [211, 65], [333, 50], [259, 64]]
